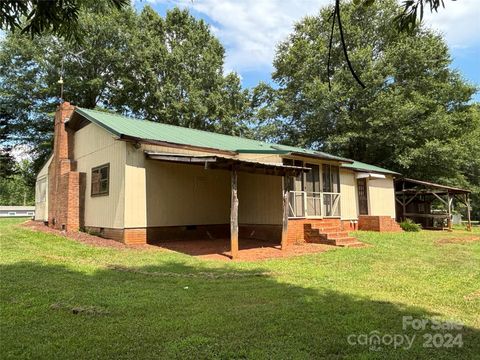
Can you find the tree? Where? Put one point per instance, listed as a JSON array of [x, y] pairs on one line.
[[174, 74], [37, 17], [168, 70], [16, 189], [414, 115]]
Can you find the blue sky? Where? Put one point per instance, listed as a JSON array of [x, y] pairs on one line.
[[250, 29]]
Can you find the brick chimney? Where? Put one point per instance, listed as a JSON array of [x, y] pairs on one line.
[[64, 182]]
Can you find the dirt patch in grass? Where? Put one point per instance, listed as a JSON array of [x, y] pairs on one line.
[[458, 240], [88, 310], [473, 296], [83, 237]]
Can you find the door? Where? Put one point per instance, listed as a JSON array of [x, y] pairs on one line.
[[312, 188], [362, 196]]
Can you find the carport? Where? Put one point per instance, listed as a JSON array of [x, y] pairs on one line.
[[235, 166], [414, 199]]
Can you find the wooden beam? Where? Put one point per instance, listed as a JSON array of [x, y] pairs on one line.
[[449, 207], [234, 216], [439, 198], [285, 216], [469, 220]]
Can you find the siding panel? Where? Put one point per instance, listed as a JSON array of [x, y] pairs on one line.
[[93, 146]]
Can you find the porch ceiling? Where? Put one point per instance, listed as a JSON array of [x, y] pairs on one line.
[[227, 163]]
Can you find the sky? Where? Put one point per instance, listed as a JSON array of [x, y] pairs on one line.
[[250, 30]]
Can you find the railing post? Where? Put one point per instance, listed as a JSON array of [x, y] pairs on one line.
[[304, 195], [321, 204]]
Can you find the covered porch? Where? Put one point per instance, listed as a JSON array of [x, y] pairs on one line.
[[429, 204], [212, 201]]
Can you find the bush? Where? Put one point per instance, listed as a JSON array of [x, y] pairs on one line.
[[409, 225]]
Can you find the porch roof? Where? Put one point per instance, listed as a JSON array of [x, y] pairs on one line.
[[420, 186], [228, 163]]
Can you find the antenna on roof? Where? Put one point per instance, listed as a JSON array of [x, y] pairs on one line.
[[62, 70]]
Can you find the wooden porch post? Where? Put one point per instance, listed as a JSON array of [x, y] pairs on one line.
[[469, 220], [285, 215], [234, 217], [449, 206], [404, 206]]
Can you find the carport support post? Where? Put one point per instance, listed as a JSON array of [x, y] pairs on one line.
[[469, 220], [449, 207], [234, 217], [285, 216]]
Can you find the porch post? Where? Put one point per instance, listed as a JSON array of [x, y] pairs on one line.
[[469, 220], [285, 215], [449, 206], [234, 216]]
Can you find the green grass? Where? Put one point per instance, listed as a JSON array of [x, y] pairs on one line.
[[62, 299]]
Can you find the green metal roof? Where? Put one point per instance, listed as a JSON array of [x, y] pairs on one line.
[[357, 165], [123, 126]]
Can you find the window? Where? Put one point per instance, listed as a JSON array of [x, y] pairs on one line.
[[331, 178], [100, 180], [12, 213], [30, 213]]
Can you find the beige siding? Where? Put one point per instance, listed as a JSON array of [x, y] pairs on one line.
[[260, 199], [94, 146], [348, 191], [41, 193], [163, 194], [381, 197]]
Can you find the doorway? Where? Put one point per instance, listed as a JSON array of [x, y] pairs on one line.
[[362, 196]]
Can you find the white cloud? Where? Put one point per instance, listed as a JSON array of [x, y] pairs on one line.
[[459, 22], [251, 29]]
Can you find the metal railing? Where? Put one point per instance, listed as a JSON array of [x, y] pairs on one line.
[[313, 204]]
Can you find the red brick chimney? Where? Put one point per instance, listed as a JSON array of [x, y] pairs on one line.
[[63, 179]]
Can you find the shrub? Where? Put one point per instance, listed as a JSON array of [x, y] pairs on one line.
[[409, 225]]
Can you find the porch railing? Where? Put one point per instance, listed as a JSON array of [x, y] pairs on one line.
[[313, 204]]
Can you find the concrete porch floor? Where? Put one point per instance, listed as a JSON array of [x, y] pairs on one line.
[[249, 249]]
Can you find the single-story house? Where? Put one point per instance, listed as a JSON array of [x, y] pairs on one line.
[[138, 181], [17, 211]]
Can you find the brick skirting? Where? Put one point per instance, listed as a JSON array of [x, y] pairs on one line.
[[378, 223]]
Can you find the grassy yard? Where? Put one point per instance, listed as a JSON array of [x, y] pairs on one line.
[[62, 299]]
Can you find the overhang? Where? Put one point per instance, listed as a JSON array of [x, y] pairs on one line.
[[228, 163]]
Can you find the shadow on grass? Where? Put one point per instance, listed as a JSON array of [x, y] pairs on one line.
[[180, 311]]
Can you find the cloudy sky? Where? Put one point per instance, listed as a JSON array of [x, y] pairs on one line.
[[250, 30]]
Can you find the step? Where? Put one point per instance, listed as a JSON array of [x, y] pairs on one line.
[[344, 240], [336, 235]]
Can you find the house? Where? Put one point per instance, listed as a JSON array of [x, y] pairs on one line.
[[17, 211], [138, 181]]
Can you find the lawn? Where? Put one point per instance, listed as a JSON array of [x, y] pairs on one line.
[[63, 299]]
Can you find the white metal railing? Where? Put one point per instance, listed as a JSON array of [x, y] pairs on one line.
[[313, 204]]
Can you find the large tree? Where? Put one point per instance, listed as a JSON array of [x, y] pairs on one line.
[[413, 116], [165, 69]]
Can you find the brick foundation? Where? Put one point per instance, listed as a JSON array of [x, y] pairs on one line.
[[378, 223]]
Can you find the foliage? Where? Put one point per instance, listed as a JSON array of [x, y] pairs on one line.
[[37, 17], [166, 69], [410, 226], [165, 305], [17, 188], [414, 117]]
